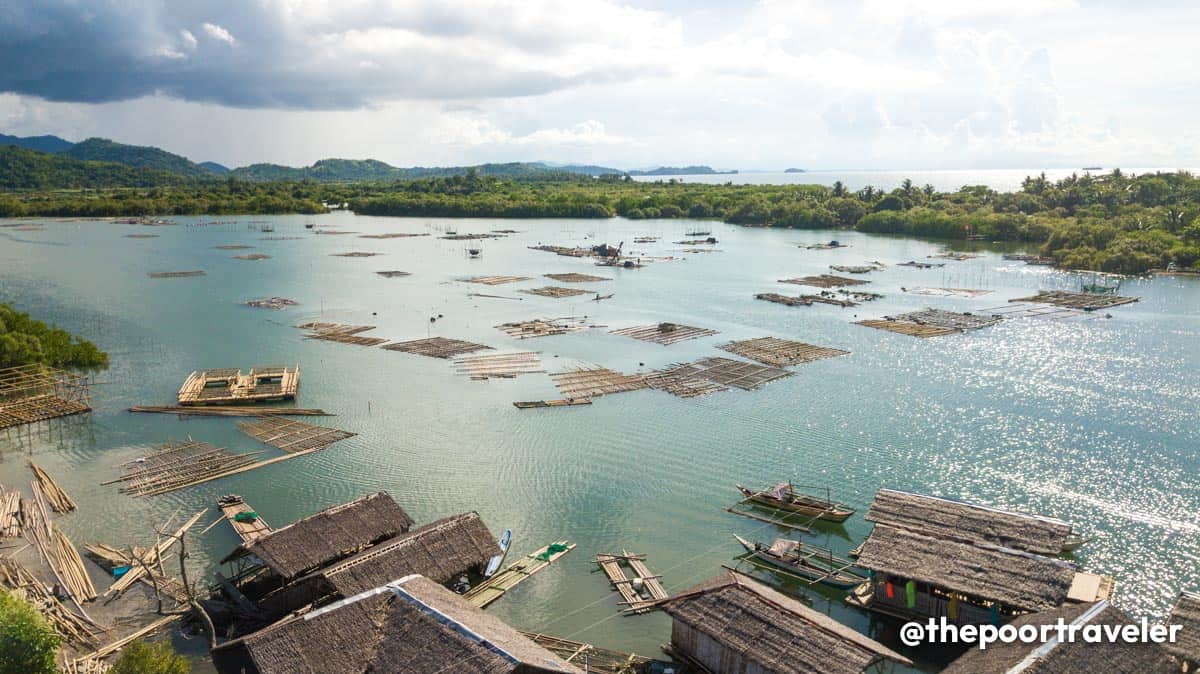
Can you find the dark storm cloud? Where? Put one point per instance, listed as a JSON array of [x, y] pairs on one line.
[[297, 54]]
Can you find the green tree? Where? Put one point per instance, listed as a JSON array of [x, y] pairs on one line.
[[27, 642], [140, 657]]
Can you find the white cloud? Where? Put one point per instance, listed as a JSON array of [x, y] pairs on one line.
[[188, 38], [218, 33]]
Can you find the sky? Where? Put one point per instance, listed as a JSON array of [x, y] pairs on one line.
[[855, 84]]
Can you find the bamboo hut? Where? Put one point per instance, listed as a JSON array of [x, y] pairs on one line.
[[731, 623], [326, 537], [915, 576], [441, 551], [410, 626], [968, 522], [1055, 655], [1186, 613]]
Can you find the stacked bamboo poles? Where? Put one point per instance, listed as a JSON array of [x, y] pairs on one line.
[[58, 499], [10, 513], [57, 550], [152, 556], [70, 626]]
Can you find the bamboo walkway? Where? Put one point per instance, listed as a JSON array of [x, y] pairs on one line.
[[516, 573], [634, 602]]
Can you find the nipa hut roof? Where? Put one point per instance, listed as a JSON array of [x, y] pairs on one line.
[[1015, 578], [411, 626], [1067, 657], [327, 536], [946, 518], [440, 551], [775, 631], [1186, 612]]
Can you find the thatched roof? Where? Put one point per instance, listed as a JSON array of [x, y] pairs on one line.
[[946, 518], [327, 536], [1186, 612], [412, 626], [773, 630], [1067, 657], [1019, 579], [440, 551]]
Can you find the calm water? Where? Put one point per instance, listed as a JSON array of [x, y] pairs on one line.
[[1093, 421], [1002, 180]]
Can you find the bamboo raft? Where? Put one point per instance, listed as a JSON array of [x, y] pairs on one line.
[[804, 300], [536, 404], [921, 265], [355, 253], [728, 372], [596, 381], [271, 303], [824, 281], [141, 236], [437, 347], [392, 274], [231, 411], [855, 268], [60, 501], [175, 274], [230, 386], [557, 292], [594, 660], [178, 465], [232, 246], [495, 280], [957, 257], [634, 602], [516, 573], [1081, 301], [33, 393], [545, 327], [932, 323], [564, 251], [252, 256], [682, 385], [247, 529], [577, 278], [391, 235], [293, 437], [341, 333], [664, 333], [780, 352], [499, 365]]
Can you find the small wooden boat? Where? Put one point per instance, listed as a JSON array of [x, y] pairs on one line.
[[806, 561], [495, 562], [599, 297], [784, 496], [1073, 542]]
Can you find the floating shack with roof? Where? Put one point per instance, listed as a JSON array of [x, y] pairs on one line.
[[1064, 655], [441, 551], [1186, 613], [225, 386], [731, 623], [409, 626]]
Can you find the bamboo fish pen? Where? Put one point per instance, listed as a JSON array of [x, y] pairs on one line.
[[596, 381], [780, 352], [437, 347]]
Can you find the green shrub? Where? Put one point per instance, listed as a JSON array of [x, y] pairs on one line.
[[140, 657], [27, 642]]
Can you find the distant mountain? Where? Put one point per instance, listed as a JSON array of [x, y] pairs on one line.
[[39, 143], [102, 149], [214, 167], [681, 171], [22, 169], [584, 169], [353, 170]]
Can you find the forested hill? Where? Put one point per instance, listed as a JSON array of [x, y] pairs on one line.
[[22, 169], [138, 156], [369, 170], [39, 143]]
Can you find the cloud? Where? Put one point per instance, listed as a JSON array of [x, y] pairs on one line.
[[217, 33]]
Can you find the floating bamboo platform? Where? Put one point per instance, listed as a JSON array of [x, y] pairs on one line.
[[577, 278], [595, 660], [33, 393], [229, 386], [141, 236], [341, 333], [1048, 311], [175, 274], [537, 404], [824, 281], [728, 372], [596, 381], [437, 347], [247, 529], [682, 384], [392, 274], [921, 265], [252, 256], [271, 303], [555, 291], [545, 327], [854, 268], [947, 292], [355, 253], [564, 251], [60, 501], [391, 235], [1081, 301], [932, 323], [799, 301], [664, 333], [634, 602], [292, 436], [231, 411], [958, 257], [516, 573], [176, 465], [499, 365], [495, 280], [780, 352], [232, 246]]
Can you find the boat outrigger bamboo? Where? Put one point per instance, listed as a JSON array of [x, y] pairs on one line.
[[806, 561], [784, 496]]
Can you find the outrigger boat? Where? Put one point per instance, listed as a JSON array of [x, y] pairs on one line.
[[784, 496], [816, 564]]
